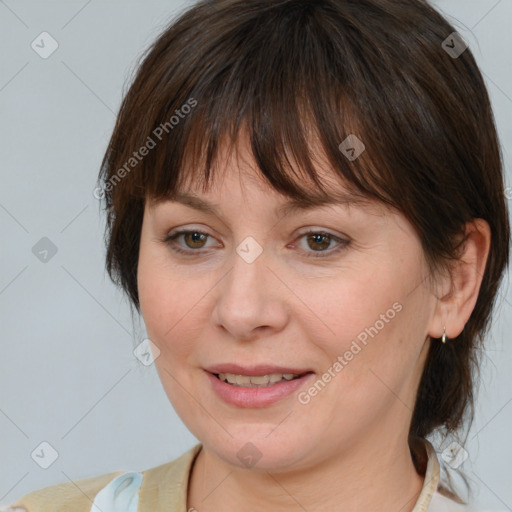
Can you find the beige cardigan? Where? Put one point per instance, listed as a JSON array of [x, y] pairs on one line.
[[164, 489]]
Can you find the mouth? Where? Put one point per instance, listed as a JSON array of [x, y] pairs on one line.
[[257, 381], [257, 386]]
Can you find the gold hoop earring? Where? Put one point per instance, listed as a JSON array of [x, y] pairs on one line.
[[443, 337]]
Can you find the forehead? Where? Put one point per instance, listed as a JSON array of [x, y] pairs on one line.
[[289, 205], [214, 200], [235, 166]]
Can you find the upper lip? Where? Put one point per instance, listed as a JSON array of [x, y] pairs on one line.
[[258, 370]]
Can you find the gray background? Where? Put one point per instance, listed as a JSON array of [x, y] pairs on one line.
[[67, 372]]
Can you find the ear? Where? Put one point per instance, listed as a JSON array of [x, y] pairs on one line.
[[456, 303]]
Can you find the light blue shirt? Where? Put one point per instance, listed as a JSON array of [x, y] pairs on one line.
[[120, 495]]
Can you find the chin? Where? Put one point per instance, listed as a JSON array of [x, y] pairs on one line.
[[260, 448]]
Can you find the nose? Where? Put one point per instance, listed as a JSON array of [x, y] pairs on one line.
[[251, 298]]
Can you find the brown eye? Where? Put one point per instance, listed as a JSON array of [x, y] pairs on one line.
[[194, 239], [319, 241]]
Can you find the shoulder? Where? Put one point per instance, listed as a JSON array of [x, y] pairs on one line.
[[75, 496], [108, 491]]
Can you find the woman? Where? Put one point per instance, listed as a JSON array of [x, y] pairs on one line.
[[305, 202]]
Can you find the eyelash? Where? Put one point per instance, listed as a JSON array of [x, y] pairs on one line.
[[171, 242]]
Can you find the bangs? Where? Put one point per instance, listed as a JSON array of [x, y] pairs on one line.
[[294, 104]]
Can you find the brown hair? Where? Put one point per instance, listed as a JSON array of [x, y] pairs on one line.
[[294, 71]]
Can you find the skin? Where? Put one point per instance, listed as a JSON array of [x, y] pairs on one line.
[[348, 445]]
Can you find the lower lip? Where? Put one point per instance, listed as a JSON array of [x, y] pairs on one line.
[[256, 397]]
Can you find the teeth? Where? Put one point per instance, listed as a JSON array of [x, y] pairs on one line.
[[256, 381]]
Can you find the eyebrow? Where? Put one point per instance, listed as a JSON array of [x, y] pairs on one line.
[[292, 205]]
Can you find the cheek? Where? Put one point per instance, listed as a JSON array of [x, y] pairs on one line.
[[156, 297], [170, 303], [371, 321], [159, 296], [352, 306]]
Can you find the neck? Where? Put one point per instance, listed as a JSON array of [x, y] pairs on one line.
[[370, 476]]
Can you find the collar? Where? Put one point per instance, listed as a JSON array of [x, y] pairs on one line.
[[431, 481], [165, 487]]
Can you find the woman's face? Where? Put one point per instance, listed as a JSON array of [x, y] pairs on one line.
[[249, 291]]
